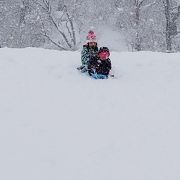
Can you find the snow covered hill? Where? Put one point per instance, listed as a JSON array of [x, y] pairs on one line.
[[58, 124]]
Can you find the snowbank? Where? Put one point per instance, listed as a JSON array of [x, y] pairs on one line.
[[57, 124]]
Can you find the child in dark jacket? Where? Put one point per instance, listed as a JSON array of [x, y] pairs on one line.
[[100, 66]]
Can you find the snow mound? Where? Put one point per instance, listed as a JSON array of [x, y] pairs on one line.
[[58, 124]]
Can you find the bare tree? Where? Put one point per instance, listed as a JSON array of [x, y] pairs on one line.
[[61, 21], [171, 27], [132, 15], [137, 7]]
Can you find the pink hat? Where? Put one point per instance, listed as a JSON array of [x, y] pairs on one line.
[[91, 37]]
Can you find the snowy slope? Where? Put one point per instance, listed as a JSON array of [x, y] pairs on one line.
[[57, 124]]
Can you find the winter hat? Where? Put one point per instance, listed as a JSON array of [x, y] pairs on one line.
[[91, 37], [104, 53]]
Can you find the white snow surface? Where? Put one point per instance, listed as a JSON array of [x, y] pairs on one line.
[[59, 124]]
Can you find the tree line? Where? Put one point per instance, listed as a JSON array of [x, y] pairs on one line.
[[146, 25]]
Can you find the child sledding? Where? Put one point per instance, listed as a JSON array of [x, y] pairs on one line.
[[95, 62], [100, 66], [89, 50]]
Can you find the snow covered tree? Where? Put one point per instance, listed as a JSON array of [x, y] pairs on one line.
[[15, 30], [171, 21], [138, 20], [9, 20], [58, 25]]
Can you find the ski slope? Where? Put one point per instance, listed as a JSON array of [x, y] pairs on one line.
[[58, 124]]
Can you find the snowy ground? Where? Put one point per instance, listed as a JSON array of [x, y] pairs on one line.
[[57, 124]]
